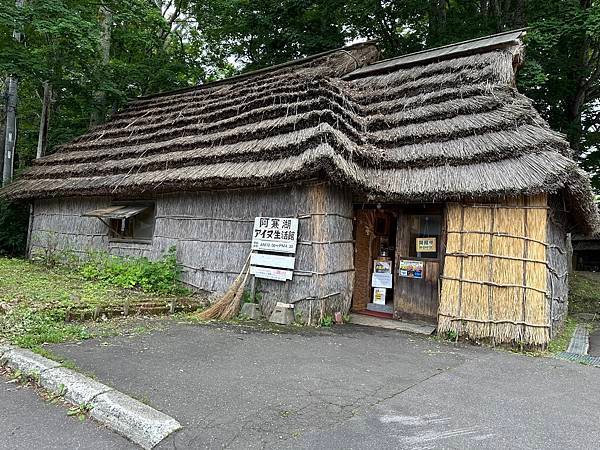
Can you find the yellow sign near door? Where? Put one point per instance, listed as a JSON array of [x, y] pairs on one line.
[[426, 245]]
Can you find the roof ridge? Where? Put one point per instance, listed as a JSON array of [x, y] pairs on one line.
[[445, 51], [244, 75]]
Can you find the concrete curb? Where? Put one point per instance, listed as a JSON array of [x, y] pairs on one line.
[[131, 418]]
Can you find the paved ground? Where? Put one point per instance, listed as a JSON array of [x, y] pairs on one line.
[[26, 422], [354, 387]]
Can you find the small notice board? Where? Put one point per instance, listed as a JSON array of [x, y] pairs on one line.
[[426, 245], [271, 235]]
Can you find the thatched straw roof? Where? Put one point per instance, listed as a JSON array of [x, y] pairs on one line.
[[437, 125]]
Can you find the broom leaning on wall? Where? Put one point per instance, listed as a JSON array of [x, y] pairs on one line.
[[228, 305]]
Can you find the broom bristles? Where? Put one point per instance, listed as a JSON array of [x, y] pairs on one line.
[[229, 304]]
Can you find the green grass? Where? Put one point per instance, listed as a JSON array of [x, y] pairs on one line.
[[34, 301], [561, 342], [584, 293]]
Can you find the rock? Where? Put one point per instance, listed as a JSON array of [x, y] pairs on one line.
[[251, 311], [283, 315]]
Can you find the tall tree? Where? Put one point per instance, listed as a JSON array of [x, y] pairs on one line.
[[10, 131], [259, 33]]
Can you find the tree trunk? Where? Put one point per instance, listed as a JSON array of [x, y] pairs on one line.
[[10, 138], [437, 21], [42, 144], [3, 126], [99, 107], [11, 131]]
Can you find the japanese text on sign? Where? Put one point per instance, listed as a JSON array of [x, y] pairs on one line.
[[275, 234]]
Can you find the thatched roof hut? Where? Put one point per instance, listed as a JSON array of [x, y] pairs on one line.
[[436, 127]]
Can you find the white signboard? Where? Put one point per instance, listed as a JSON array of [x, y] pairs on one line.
[[381, 280], [275, 234], [271, 274], [265, 259]]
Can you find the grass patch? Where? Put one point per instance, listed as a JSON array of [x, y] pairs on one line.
[[561, 342], [584, 292], [35, 298]]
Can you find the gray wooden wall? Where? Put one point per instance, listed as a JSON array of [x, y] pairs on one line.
[[558, 264], [212, 232]]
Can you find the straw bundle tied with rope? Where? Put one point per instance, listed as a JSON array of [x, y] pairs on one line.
[[228, 305]]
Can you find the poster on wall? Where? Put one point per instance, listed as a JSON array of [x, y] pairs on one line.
[[379, 296], [410, 269], [382, 273], [426, 245]]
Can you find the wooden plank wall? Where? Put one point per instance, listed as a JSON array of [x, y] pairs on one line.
[[414, 298]]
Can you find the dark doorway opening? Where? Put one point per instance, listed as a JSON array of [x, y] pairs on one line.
[[374, 260]]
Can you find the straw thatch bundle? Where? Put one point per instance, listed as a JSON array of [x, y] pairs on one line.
[[228, 305], [441, 125]]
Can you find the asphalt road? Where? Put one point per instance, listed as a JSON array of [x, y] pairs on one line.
[[353, 387], [27, 422]]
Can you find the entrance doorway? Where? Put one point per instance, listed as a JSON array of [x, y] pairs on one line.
[[375, 248], [397, 261]]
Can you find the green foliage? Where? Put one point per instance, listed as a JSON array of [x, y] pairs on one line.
[[260, 33], [584, 292], [151, 276], [561, 342], [34, 300], [153, 48], [14, 221], [327, 321], [248, 298], [80, 411], [29, 328], [450, 335]]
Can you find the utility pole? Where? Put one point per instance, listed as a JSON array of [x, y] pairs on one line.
[[11, 116]]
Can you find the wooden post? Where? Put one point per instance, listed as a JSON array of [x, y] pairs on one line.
[[253, 289], [172, 306]]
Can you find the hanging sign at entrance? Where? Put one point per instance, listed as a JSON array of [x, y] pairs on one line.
[[426, 245], [382, 273], [410, 269], [275, 234]]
